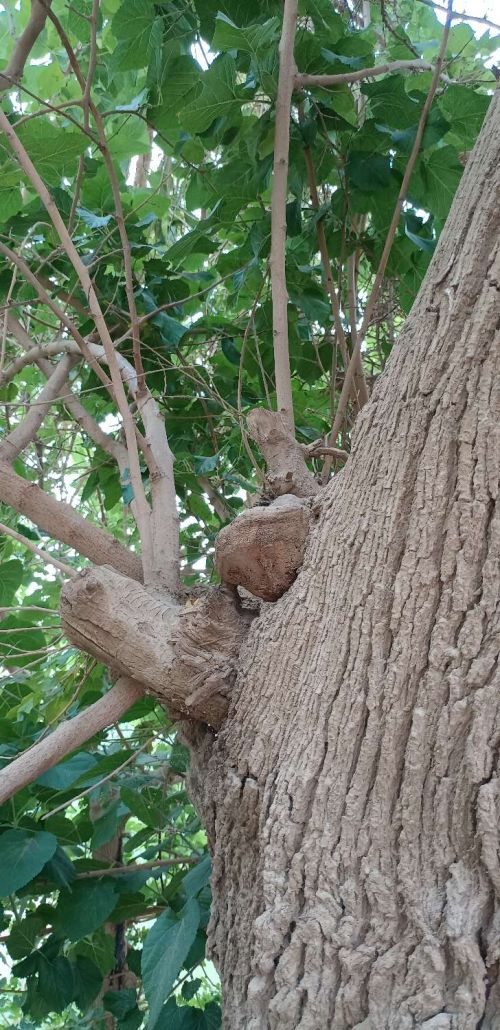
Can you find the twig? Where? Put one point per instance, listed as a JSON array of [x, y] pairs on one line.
[[461, 16], [26, 430], [69, 736], [302, 80], [95, 308], [95, 786], [57, 311], [14, 70], [278, 213], [387, 246], [139, 867], [47, 558], [360, 388]]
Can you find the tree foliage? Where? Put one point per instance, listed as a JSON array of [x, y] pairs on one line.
[[185, 96]]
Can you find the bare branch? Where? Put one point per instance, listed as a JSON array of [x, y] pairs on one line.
[[164, 517], [461, 16], [105, 779], [102, 328], [278, 213], [344, 395], [57, 311], [360, 391], [62, 522], [364, 73], [69, 736], [287, 472], [25, 431], [185, 656], [14, 70], [44, 555]]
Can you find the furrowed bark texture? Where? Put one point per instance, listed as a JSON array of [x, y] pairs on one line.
[[185, 656], [352, 797]]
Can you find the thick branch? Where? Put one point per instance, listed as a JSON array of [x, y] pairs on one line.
[[287, 472], [68, 736], [14, 70], [278, 213], [184, 656], [63, 523]]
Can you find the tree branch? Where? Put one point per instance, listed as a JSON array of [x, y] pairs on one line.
[[364, 73], [25, 431], [184, 656], [360, 391], [14, 70], [100, 323], [278, 213], [60, 520], [56, 310], [69, 736], [344, 395], [44, 555]]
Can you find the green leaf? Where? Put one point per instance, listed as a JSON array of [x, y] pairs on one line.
[[441, 173], [185, 1017], [139, 33], [55, 981], [120, 1003], [251, 40], [23, 854], [11, 202], [197, 878], [64, 775], [53, 150], [11, 577], [105, 827], [220, 96], [464, 109], [203, 464], [165, 949], [60, 869], [390, 103], [230, 351], [369, 171], [92, 220], [88, 982], [23, 935], [84, 908]]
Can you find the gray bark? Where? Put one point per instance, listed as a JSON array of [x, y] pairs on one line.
[[352, 796]]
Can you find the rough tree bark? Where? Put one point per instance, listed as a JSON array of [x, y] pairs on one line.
[[346, 740], [352, 796]]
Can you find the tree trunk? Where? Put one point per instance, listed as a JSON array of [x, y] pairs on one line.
[[352, 796]]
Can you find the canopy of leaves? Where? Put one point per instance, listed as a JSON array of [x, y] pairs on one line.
[[186, 92]]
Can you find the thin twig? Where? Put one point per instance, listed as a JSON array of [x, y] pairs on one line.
[[95, 308], [139, 867], [105, 779], [339, 417], [302, 80], [47, 558]]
